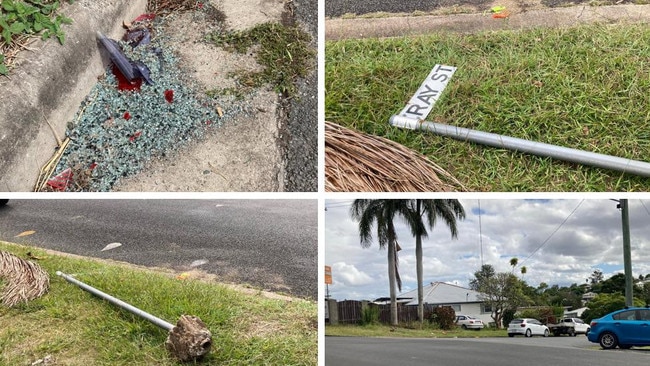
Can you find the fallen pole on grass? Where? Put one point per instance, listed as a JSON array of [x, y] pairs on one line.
[[189, 340], [630, 166]]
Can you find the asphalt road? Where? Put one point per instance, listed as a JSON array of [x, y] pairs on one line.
[[270, 244], [537, 351], [336, 8], [300, 133]]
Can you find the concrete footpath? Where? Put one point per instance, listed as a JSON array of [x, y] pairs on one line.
[[336, 29]]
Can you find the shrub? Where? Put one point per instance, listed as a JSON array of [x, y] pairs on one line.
[[370, 315], [444, 317]]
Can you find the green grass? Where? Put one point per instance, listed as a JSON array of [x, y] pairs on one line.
[[282, 50], [408, 332], [80, 329], [584, 87]]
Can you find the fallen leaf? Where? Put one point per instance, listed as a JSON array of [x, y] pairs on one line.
[[111, 246], [25, 233], [497, 9], [199, 262], [220, 111], [183, 276]]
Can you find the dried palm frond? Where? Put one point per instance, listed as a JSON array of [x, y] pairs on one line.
[[24, 280], [358, 162]]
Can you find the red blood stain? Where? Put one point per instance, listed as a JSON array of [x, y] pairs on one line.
[[123, 83], [169, 95], [127, 115], [93, 166], [199, 5], [135, 136], [60, 182], [144, 17], [208, 123]]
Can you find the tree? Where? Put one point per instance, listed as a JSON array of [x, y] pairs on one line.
[[429, 210], [596, 277], [502, 291], [382, 212]]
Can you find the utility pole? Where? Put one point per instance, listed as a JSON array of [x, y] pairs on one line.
[[627, 253]]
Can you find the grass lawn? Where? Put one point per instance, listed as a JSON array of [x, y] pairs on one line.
[[410, 332], [77, 328], [585, 87]]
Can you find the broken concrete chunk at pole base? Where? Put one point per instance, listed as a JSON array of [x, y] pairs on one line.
[[532, 147], [189, 340]]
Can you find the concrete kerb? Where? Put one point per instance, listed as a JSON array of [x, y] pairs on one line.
[[50, 83], [337, 29]]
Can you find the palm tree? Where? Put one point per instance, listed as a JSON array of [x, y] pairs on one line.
[[413, 212], [448, 210], [382, 212]]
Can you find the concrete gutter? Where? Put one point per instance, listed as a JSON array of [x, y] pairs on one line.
[[51, 83], [337, 29]]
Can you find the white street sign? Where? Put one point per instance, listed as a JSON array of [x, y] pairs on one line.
[[429, 92]]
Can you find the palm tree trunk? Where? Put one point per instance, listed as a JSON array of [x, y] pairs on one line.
[[392, 271], [418, 256], [418, 260]]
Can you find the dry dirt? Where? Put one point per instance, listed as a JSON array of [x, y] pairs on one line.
[[241, 155]]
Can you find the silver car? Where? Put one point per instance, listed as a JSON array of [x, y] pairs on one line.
[[527, 327]]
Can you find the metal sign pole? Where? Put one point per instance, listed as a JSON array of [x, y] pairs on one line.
[[532, 147]]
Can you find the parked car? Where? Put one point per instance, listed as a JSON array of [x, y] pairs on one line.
[[469, 322], [623, 328], [527, 327], [570, 326]]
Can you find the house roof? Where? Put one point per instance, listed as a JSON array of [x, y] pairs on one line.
[[440, 293]]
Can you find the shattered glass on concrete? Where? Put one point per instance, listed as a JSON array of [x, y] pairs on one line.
[[116, 132]]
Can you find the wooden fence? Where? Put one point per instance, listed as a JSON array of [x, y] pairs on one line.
[[350, 312]]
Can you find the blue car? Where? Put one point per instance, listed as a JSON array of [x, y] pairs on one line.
[[623, 328]]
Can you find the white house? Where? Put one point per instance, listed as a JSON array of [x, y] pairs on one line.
[[462, 300]]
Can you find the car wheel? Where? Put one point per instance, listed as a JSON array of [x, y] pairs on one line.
[[464, 327], [572, 332], [546, 332], [529, 333], [510, 335], [608, 340], [587, 331]]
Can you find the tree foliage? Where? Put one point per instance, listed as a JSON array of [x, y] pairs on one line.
[[501, 291], [444, 317]]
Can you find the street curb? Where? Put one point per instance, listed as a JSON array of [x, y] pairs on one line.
[[338, 29], [51, 85]]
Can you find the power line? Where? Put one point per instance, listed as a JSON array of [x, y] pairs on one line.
[[553, 233]]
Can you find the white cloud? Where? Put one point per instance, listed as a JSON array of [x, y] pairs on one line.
[[590, 239], [350, 275]]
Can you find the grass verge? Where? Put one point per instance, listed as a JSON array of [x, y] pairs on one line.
[[408, 332], [583, 87], [77, 328]]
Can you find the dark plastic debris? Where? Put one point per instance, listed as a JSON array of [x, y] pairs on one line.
[[131, 70]]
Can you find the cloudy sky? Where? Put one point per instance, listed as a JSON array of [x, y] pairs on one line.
[[590, 239]]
